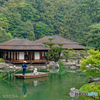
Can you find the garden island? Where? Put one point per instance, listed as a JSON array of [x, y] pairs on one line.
[[59, 39]]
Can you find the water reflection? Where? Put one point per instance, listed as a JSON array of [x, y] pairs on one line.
[[54, 87], [35, 83], [28, 84], [54, 70], [24, 90]]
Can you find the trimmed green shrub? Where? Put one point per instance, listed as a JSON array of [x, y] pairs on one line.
[[61, 64], [2, 60]]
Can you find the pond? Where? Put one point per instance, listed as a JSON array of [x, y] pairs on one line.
[[54, 87]]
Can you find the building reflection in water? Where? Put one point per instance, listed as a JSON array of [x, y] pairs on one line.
[[26, 84]]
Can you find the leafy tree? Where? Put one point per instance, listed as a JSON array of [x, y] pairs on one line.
[[25, 30], [41, 30], [93, 37], [93, 61], [71, 54], [50, 39], [54, 53], [4, 36], [67, 18], [60, 44], [50, 44]]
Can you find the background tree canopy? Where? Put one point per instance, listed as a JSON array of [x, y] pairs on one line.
[[34, 19]]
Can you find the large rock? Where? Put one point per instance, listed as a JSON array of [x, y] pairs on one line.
[[55, 65], [51, 63], [31, 67], [64, 67], [47, 65], [72, 64], [62, 59], [94, 68], [71, 71], [91, 79], [43, 67], [87, 66], [73, 67], [73, 92], [0, 67], [65, 63], [11, 67], [78, 65], [5, 66], [18, 67]]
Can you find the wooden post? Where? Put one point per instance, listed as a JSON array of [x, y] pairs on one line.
[[18, 56], [10, 55], [6, 55], [31, 56], [13, 55]]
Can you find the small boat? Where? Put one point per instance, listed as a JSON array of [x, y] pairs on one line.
[[30, 75]]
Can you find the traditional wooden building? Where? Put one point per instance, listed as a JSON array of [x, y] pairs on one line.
[[17, 50], [58, 39]]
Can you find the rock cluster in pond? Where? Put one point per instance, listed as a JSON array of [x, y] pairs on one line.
[[73, 92], [53, 64], [6, 66], [64, 67], [92, 79], [31, 67], [73, 64]]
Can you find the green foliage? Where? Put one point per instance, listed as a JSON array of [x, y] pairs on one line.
[[50, 44], [61, 64], [71, 54], [4, 36], [91, 72], [93, 36], [41, 30], [68, 54], [50, 66], [54, 53], [34, 19], [50, 39], [62, 71], [25, 30], [93, 60], [91, 87], [60, 44], [2, 60]]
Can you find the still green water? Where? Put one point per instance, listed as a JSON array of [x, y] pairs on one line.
[[54, 87]]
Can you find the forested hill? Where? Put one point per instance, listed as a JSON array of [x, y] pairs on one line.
[[33, 19]]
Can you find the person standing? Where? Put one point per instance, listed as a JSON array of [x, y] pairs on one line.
[[24, 67]]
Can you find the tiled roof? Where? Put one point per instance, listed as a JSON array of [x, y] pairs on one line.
[[58, 39], [21, 44]]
